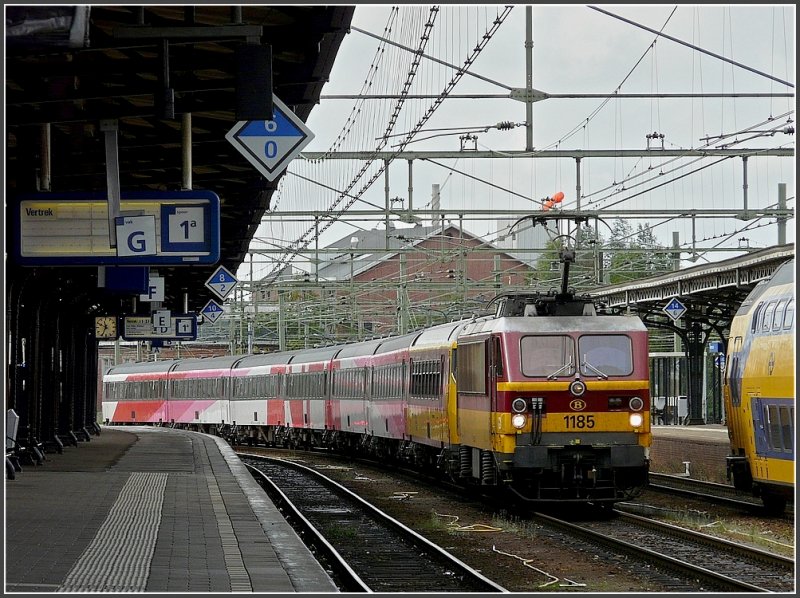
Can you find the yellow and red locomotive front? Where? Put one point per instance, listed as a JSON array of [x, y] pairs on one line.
[[569, 402]]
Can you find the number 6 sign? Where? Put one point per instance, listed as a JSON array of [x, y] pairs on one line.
[[270, 145], [222, 282]]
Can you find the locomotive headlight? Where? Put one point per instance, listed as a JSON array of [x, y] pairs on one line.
[[518, 420], [636, 404], [519, 405], [636, 420]]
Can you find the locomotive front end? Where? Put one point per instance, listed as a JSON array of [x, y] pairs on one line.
[[573, 409]]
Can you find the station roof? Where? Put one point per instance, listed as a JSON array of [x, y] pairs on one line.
[[105, 64]]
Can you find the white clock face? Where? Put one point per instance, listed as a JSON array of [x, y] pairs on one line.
[[105, 327]]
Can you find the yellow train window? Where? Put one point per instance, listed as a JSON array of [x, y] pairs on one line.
[[788, 316], [777, 321], [787, 417], [768, 314]]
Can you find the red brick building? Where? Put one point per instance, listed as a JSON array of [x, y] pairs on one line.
[[365, 282]]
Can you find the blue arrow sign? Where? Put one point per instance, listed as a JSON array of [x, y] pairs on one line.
[[212, 311], [674, 309], [270, 145], [222, 282]]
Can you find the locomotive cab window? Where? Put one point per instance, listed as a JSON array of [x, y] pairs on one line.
[[605, 355], [547, 355], [497, 356]]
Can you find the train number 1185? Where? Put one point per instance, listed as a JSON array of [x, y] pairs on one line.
[[579, 421]]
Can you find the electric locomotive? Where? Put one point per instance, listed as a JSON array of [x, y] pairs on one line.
[[758, 391], [565, 393]]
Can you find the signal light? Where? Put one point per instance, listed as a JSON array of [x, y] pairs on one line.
[[636, 404], [577, 388], [519, 405]]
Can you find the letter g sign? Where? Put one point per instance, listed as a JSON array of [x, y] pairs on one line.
[[136, 242], [136, 236]]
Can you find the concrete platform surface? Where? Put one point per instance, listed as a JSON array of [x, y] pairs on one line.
[[708, 432], [150, 509]]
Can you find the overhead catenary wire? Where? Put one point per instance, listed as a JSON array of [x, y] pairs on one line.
[[640, 174]]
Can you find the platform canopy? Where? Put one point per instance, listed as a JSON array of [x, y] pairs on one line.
[[70, 67]]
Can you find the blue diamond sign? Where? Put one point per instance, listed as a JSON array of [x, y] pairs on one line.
[[222, 282], [212, 311], [674, 309], [270, 145]]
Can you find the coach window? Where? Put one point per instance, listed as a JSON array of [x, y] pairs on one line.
[[777, 321], [547, 355], [788, 316], [787, 417], [769, 312], [774, 423], [754, 322]]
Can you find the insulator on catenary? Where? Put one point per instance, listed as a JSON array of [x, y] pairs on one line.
[[504, 125]]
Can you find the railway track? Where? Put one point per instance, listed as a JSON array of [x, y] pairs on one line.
[[721, 494], [715, 563], [366, 549], [702, 564]]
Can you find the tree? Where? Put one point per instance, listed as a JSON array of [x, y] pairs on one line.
[[634, 255]]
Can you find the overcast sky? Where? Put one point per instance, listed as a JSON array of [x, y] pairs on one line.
[[577, 50]]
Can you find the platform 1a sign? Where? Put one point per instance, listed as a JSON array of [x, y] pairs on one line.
[[270, 145], [154, 228]]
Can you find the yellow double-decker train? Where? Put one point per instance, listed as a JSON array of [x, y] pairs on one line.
[[759, 391]]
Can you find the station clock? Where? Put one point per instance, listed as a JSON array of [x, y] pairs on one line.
[[105, 327]]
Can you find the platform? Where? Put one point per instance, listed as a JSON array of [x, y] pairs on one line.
[[150, 509], [709, 432], [703, 447]]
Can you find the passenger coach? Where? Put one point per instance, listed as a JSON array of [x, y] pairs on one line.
[[759, 391]]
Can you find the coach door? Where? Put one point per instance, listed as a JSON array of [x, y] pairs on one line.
[[495, 370], [474, 398], [761, 424]]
